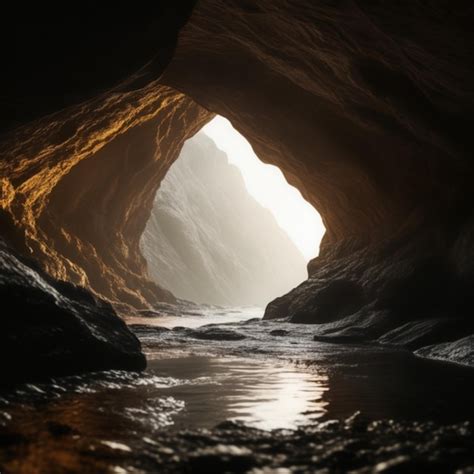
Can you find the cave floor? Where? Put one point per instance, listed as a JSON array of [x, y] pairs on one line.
[[225, 391]]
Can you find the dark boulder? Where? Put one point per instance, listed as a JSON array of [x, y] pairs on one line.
[[460, 351], [56, 328], [416, 334], [333, 301], [216, 334], [429, 287]]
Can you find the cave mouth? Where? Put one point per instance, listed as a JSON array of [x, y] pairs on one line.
[[225, 227]]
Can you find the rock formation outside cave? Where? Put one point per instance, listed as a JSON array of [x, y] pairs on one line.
[[209, 240]]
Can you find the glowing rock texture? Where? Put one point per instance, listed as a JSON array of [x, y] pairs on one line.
[[209, 241]]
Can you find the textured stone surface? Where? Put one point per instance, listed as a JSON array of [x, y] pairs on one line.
[[209, 241], [60, 192], [460, 351], [52, 327], [416, 334], [353, 445]]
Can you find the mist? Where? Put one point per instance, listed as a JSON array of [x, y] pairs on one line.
[[211, 239]]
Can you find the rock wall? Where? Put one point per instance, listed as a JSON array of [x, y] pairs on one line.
[[209, 241], [92, 107], [67, 204], [365, 107]]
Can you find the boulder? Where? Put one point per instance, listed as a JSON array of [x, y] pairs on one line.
[[56, 328]]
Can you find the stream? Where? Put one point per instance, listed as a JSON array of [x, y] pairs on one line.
[[212, 366]]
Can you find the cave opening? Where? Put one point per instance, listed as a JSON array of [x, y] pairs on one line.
[[225, 227]]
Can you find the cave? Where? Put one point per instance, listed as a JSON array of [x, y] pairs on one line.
[[366, 109]]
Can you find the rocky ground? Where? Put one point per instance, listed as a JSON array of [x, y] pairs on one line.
[[95, 423], [352, 445]]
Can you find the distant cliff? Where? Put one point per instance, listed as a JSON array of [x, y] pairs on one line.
[[208, 240]]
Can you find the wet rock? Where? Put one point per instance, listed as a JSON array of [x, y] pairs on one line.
[[399, 464], [337, 446], [428, 287], [149, 313], [279, 332], [8, 438], [330, 425], [222, 458], [252, 321], [460, 351], [59, 429], [144, 328], [357, 422], [53, 327], [354, 338], [419, 333], [217, 334], [362, 325], [332, 301], [390, 448], [278, 308]]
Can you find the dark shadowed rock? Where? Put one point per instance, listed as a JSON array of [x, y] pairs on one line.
[[460, 351], [428, 287], [353, 445], [350, 336], [216, 334], [52, 328], [416, 334], [328, 302]]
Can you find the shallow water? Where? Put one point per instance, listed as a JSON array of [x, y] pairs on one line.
[[262, 395], [198, 316], [266, 374]]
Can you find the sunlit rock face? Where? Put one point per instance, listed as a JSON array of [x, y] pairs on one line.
[[60, 193], [209, 241], [365, 106], [62, 199]]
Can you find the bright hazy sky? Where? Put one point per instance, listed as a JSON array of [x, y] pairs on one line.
[[268, 185]]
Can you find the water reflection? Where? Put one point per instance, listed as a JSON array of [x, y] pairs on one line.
[[261, 394], [279, 399], [80, 424]]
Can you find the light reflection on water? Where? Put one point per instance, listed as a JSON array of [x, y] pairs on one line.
[[284, 399], [261, 394], [111, 413]]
